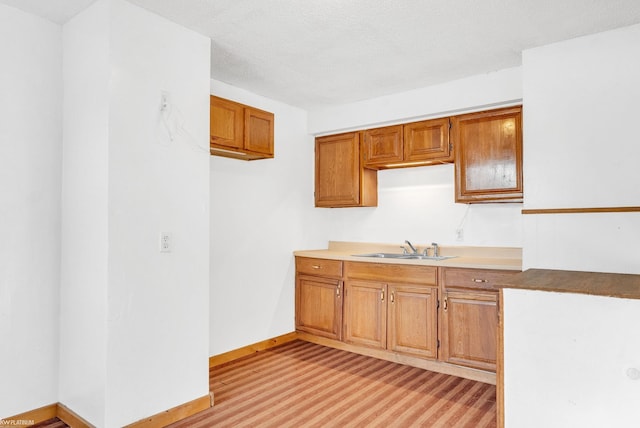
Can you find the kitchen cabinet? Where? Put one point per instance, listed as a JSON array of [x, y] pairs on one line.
[[412, 144], [428, 141], [469, 316], [240, 131], [340, 178], [365, 313], [391, 307], [412, 320], [319, 297], [488, 160], [383, 146]]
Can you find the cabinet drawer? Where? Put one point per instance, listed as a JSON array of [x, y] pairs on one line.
[[485, 279], [391, 273], [322, 267]]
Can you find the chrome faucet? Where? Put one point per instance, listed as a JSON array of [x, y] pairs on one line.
[[436, 249], [415, 251]]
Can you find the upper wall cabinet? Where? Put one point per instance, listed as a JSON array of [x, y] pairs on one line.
[[382, 146], [428, 142], [240, 131], [412, 144], [340, 178], [488, 161]]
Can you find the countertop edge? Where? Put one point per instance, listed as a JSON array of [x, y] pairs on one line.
[[457, 262], [619, 285]]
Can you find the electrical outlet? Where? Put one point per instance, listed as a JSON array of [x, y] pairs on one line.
[[165, 242], [459, 235]]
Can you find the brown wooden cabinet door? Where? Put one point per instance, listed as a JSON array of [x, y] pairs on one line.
[[339, 179], [319, 306], [226, 123], [488, 157], [365, 313], [412, 320], [470, 328], [258, 136], [427, 140], [382, 146]]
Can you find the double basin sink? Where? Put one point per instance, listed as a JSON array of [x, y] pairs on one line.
[[403, 256]]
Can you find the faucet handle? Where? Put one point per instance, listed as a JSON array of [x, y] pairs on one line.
[[436, 252], [425, 252], [404, 249]]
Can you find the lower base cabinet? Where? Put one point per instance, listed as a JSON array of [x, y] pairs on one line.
[[319, 297], [469, 329], [469, 316], [365, 314], [446, 315], [413, 320], [397, 316], [319, 306]]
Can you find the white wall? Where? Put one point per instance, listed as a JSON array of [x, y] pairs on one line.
[[566, 355], [418, 203], [567, 360], [30, 150], [581, 150], [261, 211], [142, 176], [84, 279], [471, 93], [158, 302]]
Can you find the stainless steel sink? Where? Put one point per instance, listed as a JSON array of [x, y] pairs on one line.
[[383, 255], [403, 256], [421, 257]]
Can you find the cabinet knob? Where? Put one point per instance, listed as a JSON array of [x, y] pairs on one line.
[[479, 280], [316, 266]]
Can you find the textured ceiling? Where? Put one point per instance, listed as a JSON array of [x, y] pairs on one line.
[[314, 53]]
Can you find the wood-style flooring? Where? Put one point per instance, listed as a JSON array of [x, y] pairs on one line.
[[300, 384]]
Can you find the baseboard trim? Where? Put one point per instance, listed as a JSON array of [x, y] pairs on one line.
[[175, 414], [51, 411], [434, 366], [226, 357], [71, 418], [34, 416]]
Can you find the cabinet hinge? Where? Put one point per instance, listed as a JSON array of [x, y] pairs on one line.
[[450, 147], [438, 304], [438, 343], [450, 124]]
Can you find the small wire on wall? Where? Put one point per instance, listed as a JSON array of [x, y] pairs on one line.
[[173, 125]]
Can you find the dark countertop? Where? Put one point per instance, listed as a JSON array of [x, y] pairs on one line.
[[598, 284]]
